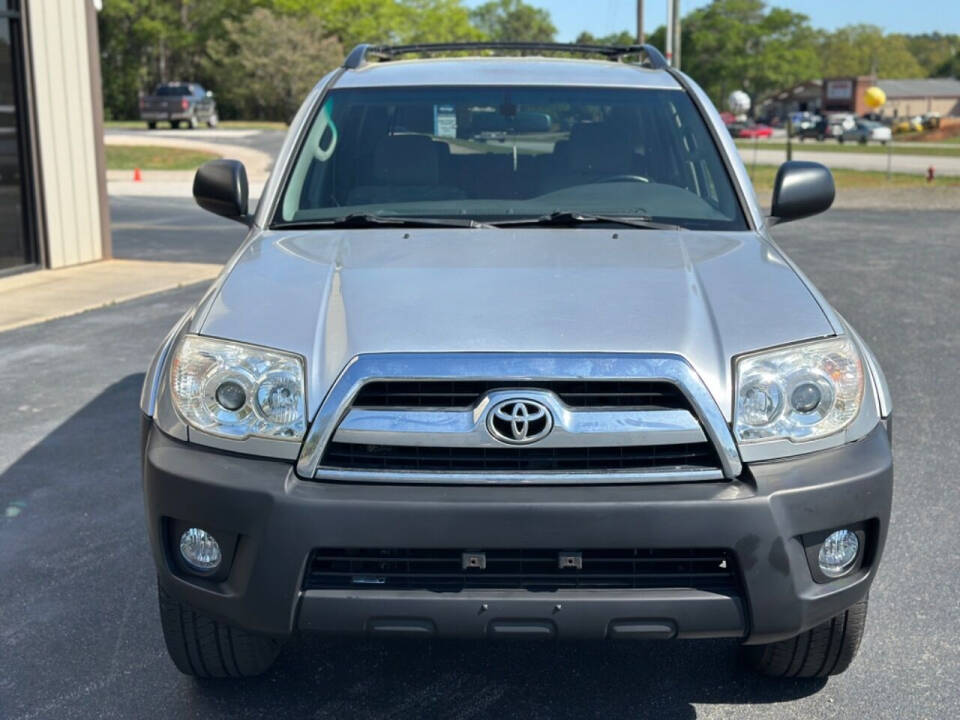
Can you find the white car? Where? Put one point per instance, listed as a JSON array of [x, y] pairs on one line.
[[865, 131]]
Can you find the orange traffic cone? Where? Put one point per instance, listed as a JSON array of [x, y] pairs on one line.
[[137, 177]]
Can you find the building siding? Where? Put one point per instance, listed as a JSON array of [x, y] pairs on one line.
[[62, 90]]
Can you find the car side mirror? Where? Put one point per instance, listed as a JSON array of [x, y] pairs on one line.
[[220, 186], [801, 189], [209, 93]]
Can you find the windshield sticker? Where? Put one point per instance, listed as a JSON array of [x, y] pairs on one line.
[[444, 121]]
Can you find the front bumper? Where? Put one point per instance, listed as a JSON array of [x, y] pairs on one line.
[[277, 519]]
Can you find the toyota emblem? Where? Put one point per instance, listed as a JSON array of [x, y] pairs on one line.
[[519, 422]]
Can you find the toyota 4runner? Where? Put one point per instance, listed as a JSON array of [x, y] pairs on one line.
[[508, 351]]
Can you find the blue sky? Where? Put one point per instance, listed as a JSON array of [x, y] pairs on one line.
[[604, 16]]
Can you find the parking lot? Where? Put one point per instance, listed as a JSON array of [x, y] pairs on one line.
[[80, 636]]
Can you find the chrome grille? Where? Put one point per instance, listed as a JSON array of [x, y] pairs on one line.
[[693, 456], [640, 394], [472, 418]]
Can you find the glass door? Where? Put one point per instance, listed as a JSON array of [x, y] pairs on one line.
[[16, 241]]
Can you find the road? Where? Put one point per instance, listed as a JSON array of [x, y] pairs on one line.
[[913, 164], [269, 141], [80, 637]]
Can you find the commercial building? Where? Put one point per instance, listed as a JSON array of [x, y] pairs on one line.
[[53, 200], [805, 97], [906, 97]]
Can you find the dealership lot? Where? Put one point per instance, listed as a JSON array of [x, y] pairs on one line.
[[80, 635]]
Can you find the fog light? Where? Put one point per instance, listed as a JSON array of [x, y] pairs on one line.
[[838, 553], [200, 549]]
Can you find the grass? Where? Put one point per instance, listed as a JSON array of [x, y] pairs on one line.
[[764, 175], [225, 124], [152, 157], [915, 148]]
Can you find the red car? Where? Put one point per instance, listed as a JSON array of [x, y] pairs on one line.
[[756, 131]]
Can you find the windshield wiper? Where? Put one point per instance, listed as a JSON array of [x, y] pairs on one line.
[[366, 220], [567, 218]]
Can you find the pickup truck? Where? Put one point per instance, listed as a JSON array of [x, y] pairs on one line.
[[559, 382], [179, 103]]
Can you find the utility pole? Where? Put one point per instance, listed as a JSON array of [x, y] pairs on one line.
[[669, 38], [641, 36], [676, 42]]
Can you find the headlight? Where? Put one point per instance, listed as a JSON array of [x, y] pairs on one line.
[[237, 391], [798, 393]]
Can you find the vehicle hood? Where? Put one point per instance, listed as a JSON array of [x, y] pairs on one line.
[[333, 294]]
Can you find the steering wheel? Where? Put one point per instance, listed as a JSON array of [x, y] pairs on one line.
[[622, 178]]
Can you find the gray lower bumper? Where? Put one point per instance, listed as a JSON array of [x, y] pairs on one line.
[[657, 614], [278, 519]]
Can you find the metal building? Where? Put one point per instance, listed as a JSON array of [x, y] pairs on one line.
[[53, 199]]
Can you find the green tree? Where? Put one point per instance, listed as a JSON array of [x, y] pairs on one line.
[[624, 37], [741, 44], [143, 42], [951, 68], [388, 21], [513, 21], [865, 50], [934, 51], [270, 62]]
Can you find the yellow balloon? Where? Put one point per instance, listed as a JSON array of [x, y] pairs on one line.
[[875, 97]]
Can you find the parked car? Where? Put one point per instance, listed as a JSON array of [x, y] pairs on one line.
[[803, 120], [177, 103], [572, 389], [864, 131], [818, 130], [757, 130]]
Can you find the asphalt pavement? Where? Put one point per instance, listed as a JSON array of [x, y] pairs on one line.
[[80, 635]]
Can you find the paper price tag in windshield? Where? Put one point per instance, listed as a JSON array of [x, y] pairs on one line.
[[444, 121]]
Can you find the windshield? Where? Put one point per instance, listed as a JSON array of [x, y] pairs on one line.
[[163, 90], [497, 153]]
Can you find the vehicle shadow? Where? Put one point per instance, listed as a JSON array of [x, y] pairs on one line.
[[78, 590], [477, 679]]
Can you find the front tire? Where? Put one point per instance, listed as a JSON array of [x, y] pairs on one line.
[[827, 649], [206, 648], [152, 125]]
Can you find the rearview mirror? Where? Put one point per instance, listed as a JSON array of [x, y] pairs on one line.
[[220, 186], [801, 189]]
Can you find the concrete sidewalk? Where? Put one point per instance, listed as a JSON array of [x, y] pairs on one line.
[[35, 297]]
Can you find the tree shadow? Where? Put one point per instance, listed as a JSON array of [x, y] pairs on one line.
[[78, 590]]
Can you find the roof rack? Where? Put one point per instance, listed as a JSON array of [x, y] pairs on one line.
[[361, 53]]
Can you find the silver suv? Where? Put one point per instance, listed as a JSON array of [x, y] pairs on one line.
[[509, 352]]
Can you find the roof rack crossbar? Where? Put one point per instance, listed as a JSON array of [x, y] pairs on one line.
[[361, 53]]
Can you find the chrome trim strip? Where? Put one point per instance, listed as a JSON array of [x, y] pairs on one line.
[[467, 428], [409, 477], [517, 366]]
